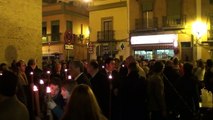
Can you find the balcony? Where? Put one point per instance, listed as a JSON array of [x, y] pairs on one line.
[[174, 22], [144, 24], [52, 38], [105, 36]]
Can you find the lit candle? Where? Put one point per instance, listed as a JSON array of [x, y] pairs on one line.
[[103, 66], [69, 77], [48, 90], [123, 65], [1, 74], [35, 88], [36, 97], [41, 82], [31, 73], [48, 72], [110, 76], [65, 70], [31, 77]]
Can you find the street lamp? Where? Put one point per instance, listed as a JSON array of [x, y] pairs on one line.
[[199, 29]]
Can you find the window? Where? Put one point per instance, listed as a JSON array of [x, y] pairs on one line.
[[107, 29], [69, 25], [55, 35], [44, 32], [211, 2]]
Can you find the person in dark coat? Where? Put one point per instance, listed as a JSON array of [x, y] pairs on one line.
[[188, 88], [77, 72], [109, 70], [100, 86], [10, 107], [208, 76], [134, 95]]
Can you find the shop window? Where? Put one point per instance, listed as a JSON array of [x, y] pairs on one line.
[[44, 32]]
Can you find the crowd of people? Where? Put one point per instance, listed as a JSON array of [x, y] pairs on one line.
[[111, 89]]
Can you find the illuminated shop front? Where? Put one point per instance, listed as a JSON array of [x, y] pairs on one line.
[[154, 46]]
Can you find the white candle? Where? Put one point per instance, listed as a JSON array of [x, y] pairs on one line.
[[41, 82], [35, 88]]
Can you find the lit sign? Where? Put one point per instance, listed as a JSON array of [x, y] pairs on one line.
[[154, 39]]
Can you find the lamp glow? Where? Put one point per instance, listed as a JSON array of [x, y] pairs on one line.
[[35, 88], [199, 29]]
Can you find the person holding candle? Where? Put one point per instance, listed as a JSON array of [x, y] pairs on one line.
[[56, 98], [10, 107], [66, 90]]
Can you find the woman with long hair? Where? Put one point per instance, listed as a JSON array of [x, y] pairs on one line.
[[83, 105]]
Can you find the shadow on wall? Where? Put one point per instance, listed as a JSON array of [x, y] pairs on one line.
[[10, 54]]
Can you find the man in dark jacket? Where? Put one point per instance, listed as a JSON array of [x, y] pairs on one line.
[[77, 72], [100, 86]]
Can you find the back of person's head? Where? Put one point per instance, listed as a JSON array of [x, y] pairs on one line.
[[31, 62], [108, 60], [8, 83], [209, 63], [77, 64], [200, 63], [188, 68], [82, 105], [133, 66], [55, 81], [175, 61], [94, 64], [158, 67], [69, 85], [3, 66]]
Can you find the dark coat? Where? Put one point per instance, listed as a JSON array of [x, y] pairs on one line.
[[134, 97], [100, 87], [83, 79]]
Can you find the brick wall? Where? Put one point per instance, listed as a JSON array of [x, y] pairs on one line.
[[20, 30]]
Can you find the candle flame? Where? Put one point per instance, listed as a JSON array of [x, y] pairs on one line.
[[103, 66], [41, 82], [48, 72], [110, 77], [35, 88], [123, 65], [48, 90], [1, 74], [65, 70], [69, 77], [31, 73]]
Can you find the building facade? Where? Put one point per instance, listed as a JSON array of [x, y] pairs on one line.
[[156, 29], [65, 30]]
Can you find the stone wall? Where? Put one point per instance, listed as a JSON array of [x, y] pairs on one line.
[[20, 30]]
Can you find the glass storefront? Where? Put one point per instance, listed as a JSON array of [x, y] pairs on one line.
[[159, 54]]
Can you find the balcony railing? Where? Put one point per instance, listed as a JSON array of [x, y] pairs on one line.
[[53, 38], [105, 36], [146, 24], [174, 21]]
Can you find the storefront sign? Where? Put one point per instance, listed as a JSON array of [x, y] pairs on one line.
[[68, 47], [154, 39]]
